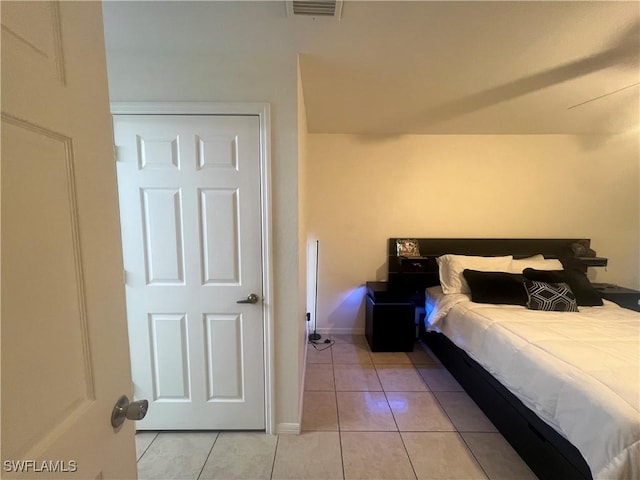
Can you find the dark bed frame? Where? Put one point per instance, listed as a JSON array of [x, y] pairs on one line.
[[548, 454]]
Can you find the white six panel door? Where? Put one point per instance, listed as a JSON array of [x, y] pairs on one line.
[[189, 191]]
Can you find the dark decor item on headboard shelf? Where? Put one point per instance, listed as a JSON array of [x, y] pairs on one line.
[[586, 256], [581, 248]]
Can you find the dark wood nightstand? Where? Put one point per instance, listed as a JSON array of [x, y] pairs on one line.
[[625, 297], [390, 319]]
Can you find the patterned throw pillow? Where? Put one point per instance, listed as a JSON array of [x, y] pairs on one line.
[[550, 297]]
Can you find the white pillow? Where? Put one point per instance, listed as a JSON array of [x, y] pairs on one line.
[[537, 261], [452, 266]]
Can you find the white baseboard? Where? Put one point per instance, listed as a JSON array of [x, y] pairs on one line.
[[288, 429], [340, 331]]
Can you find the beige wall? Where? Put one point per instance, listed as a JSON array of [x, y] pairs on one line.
[[363, 190]]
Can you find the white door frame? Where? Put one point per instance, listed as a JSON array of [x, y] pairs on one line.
[[262, 111]]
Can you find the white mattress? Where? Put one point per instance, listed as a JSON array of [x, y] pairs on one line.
[[580, 372]]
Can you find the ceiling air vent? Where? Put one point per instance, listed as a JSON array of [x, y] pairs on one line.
[[315, 8]]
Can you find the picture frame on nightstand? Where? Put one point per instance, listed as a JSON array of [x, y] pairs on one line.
[[407, 247]]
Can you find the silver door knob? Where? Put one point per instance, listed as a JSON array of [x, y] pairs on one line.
[[123, 410], [252, 298]]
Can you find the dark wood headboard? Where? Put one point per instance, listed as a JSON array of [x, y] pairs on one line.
[[413, 275], [518, 247]]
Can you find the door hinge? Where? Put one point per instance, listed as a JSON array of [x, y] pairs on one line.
[[124, 277], [116, 154]]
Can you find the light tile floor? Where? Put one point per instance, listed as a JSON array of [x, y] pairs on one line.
[[366, 416]]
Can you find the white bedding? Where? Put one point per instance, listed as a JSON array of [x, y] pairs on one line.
[[580, 372]]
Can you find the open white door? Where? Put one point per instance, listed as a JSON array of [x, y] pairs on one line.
[[65, 355]]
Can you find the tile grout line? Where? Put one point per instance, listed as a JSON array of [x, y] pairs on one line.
[[415, 475], [335, 393], [486, 474], [458, 432], [208, 455], [415, 367], [368, 350], [145, 450], [275, 452]]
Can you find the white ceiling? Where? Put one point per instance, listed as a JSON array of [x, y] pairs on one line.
[[391, 67]]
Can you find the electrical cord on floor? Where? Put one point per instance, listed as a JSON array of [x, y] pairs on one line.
[[326, 344]]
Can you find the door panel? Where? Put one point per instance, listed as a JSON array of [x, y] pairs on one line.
[[162, 229], [220, 247], [170, 363], [218, 151], [191, 224], [65, 357], [224, 358], [46, 267]]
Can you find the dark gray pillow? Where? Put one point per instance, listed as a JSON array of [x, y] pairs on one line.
[[586, 295]]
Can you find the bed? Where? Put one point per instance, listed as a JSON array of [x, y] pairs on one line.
[[562, 387]]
